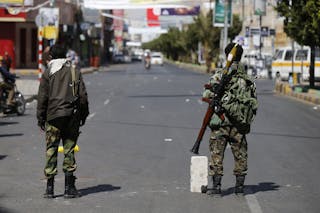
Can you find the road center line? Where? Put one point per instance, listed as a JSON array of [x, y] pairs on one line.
[[253, 203], [91, 115], [106, 102]]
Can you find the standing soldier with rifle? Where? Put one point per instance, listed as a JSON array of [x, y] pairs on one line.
[[62, 109], [232, 107]]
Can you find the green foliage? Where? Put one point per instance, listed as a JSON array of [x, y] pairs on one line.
[[302, 20], [236, 27], [183, 45]]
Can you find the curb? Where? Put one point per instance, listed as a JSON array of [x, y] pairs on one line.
[[311, 96]]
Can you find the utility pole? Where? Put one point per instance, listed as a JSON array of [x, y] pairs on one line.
[[294, 75], [260, 36], [225, 28]]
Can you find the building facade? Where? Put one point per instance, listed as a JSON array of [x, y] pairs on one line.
[[271, 25], [19, 35]]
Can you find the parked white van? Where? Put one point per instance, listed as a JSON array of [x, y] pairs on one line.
[[282, 63]]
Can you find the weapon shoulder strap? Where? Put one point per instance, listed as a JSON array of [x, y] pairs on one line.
[[73, 77]]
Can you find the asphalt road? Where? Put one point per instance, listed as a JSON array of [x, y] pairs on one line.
[[134, 151]]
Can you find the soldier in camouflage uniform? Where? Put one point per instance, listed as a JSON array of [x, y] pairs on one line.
[[228, 131], [62, 108]]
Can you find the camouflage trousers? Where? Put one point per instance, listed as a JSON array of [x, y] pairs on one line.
[[218, 142], [67, 130]]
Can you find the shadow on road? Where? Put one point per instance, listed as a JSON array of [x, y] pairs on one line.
[[98, 188], [95, 189], [7, 123], [164, 96], [1, 158], [252, 189], [148, 125], [285, 135], [10, 135], [5, 210]]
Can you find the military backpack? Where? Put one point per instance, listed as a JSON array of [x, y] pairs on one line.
[[240, 102]]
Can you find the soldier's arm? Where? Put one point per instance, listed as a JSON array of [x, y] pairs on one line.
[[43, 98], [84, 103]]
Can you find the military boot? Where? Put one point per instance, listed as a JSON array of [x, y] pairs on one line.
[[216, 186], [50, 188], [239, 184], [70, 190]]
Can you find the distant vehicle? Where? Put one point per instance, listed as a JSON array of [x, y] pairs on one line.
[[282, 63], [147, 63], [157, 58], [137, 55], [19, 106], [258, 64], [127, 59], [118, 58], [250, 59]]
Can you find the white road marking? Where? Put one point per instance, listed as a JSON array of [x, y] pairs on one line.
[[106, 102], [129, 194], [159, 191], [91, 115], [253, 203], [187, 100], [168, 140]]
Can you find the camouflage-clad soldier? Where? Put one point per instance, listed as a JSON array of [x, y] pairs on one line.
[[62, 109], [235, 126]]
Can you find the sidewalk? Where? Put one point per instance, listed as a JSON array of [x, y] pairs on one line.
[[29, 87], [300, 92]]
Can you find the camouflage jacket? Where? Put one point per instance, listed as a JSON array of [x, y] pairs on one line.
[[55, 96], [235, 86]]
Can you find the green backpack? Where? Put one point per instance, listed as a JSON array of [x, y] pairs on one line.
[[240, 102]]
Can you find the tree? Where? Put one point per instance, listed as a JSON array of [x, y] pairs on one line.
[[302, 23], [209, 36], [183, 45], [236, 27]]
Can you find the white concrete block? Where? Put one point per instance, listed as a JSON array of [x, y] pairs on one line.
[[198, 173]]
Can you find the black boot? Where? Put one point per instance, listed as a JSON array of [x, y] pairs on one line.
[[70, 190], [50, 188], [216, 186], [239, 184]]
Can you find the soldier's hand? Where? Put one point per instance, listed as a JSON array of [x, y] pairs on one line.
[[42, 125], [82, 122]]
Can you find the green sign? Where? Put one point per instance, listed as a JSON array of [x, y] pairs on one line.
[[260, 7], [218, 16]]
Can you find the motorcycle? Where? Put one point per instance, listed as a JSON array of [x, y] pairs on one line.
[[19, 105], [147, 63]]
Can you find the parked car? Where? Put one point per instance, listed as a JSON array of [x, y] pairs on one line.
[[127, 59], [157, 58], [282, 63], [118, 58], [137, 55]]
